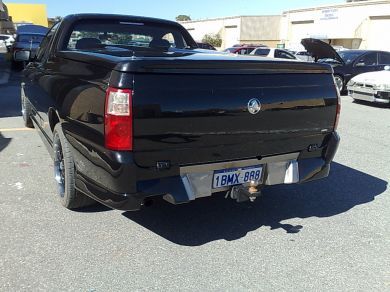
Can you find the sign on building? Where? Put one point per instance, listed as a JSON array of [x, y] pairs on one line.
[[329, 14]]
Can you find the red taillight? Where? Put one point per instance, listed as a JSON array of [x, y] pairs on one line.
[[338, 110], [118, 121]]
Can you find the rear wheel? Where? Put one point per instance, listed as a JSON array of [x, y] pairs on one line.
[[339, 82], [64, 172]]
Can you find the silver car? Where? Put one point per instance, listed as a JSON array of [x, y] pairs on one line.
[[372, 86]]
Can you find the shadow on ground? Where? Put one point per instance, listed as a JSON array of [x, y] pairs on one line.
[[4, 142], [372, 104], [9, 90], [216, 218]]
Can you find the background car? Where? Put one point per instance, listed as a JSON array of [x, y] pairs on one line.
[[3, 48], [372, 86], [8, 40], [28, 37], [206, 46], [273, 53], [304, 56], [243, 50], [348, 63]]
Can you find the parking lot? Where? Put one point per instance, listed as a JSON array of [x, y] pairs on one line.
[[328, 235]]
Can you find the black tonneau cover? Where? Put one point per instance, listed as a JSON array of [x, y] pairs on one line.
[[192, 61]]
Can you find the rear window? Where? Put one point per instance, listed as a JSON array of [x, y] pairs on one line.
[[98, 34], [30, 38], [262, 52]]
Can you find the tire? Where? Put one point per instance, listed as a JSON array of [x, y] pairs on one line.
[[64, 172], [26, 112], [339, 80]]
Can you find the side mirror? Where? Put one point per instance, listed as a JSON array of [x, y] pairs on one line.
[[360, 64], [22, 56], [387, 68]]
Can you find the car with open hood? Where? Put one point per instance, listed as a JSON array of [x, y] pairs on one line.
[[372, 86], [346, 64]]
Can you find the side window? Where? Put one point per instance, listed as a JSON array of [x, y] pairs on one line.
[[368, 60], [283, 55], [43, 51], [384, 58], [170, 38], [262, 52]]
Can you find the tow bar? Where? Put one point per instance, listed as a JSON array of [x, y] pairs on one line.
[[244, 193]]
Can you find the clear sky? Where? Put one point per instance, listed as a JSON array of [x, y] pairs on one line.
[[169, 9]]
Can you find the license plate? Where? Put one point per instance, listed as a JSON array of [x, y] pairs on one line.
[[236, 176]]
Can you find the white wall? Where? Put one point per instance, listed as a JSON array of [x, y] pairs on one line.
[[336, 22], [228, 28], [378, 34]]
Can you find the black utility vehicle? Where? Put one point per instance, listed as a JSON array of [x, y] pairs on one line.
[[346, 64], [130, 109]]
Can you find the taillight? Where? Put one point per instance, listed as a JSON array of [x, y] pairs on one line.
[[338, 110], [118, 122]]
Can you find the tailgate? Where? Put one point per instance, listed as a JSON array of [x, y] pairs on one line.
[[198, 118]]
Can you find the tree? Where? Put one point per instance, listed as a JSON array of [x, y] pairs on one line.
[[213, 39], [183, 17]]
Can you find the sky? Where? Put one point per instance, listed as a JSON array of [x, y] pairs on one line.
[[196, 9]]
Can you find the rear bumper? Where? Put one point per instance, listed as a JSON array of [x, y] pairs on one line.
[[195, 181]]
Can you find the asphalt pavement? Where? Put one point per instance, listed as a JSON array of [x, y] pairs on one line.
[[329, 235]]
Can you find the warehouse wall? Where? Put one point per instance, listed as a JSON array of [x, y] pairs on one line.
[[263, 29], [354, 24], [28, 13]]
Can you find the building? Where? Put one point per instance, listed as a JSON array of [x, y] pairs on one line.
[[353, 25], [238, 30], [28, 14]]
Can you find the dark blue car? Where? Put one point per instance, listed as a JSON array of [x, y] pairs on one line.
[[28, 37]]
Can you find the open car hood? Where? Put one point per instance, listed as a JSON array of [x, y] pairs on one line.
[[321, 50]]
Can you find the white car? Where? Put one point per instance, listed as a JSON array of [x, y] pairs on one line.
[[372, 86], [273, 53], [3, 48], [304, 56], [8, 40]]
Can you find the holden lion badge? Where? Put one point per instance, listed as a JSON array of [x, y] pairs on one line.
[[254, 106]]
